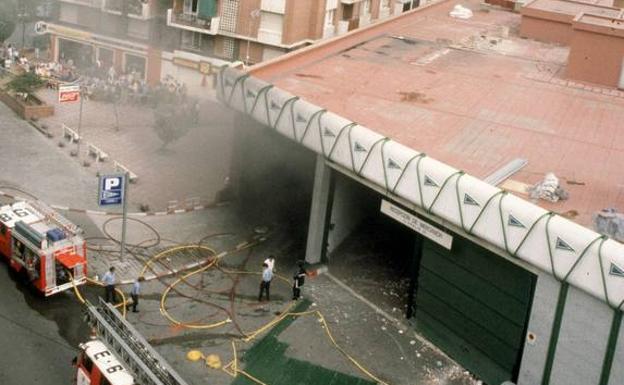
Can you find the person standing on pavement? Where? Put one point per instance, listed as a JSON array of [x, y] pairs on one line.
[[109, 285], [298, 281], [265, 284], [134, 293]]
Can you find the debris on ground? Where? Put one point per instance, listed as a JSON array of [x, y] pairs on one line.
[[609, 222], [548, 189], [460, 12]]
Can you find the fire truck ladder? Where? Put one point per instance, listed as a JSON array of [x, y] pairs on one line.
[[49, 212], [146, 364]]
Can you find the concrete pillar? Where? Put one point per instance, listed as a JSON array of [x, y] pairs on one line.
[[539, 329], [322, 195], [582, 341]]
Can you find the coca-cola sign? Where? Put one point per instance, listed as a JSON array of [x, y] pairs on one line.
[[68, 94]]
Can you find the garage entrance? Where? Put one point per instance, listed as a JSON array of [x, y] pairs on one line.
[[367, 250], [474, 305], [274, 179]]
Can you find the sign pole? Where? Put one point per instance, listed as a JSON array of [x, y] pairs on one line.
[[79, 127], [124, 217]]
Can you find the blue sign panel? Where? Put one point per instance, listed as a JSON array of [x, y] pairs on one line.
[[111, 191]]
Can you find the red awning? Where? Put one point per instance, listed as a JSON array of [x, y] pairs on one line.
[[70, 260]]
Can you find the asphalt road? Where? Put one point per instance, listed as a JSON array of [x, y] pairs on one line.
[[33, 348]]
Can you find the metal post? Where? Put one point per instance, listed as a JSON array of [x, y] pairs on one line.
[[124, 216], [79, 126], [248, 37], [23, 32]]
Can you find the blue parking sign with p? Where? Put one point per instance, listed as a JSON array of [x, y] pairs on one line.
[[111, 191]]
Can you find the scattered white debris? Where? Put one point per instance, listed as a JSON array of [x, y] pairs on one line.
[[413, 342], [402, 358], [438, 363], [383, 328], [460, 12], [609, 222], [313, 303], [400, 331], [548, 189], [418, 355]]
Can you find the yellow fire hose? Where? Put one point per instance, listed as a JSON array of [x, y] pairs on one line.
[[98, 283], [232, 367]]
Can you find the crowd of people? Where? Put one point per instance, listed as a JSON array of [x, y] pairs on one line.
[[101, 82], [132, 88]]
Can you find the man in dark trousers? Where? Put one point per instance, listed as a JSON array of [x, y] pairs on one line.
[[298, 281], [134, 293], [265, 284], [109, 285]]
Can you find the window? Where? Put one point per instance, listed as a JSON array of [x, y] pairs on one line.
[[347, 11], [190, 6], [105, 56], [191, 40], [135, 64]]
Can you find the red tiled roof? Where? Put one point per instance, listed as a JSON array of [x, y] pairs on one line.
[[472, 94]]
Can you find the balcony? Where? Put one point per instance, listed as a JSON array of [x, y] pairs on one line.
[[192, 22]]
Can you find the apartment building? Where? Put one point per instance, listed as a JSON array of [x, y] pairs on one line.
[[257, 30], [119, 33], [189, 39]]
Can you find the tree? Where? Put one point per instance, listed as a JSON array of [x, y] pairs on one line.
[[170, 124], [25, 83], [8, 14]]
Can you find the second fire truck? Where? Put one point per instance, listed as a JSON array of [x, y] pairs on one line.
[[42, 244]]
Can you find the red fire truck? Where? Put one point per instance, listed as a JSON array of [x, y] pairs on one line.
[[118, 354], [38, 241]]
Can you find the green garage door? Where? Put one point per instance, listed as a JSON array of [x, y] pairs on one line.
[[474, 305]]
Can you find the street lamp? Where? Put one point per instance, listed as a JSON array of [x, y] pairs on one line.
[[254, 14]]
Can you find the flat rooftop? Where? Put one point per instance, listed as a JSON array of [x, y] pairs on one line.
[[573, 8], [472, 94], [605, 25]]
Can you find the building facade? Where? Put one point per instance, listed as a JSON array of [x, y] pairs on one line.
[[122, 34], [257, 30], [189, 39]]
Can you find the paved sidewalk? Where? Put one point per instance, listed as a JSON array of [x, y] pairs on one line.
[[193, 168]]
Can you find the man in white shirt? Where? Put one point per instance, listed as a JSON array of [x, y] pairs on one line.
[[109, 285], [270, 262], [265, 284]]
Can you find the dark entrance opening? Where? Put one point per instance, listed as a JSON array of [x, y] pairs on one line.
[[369, 251], [274, 179]]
